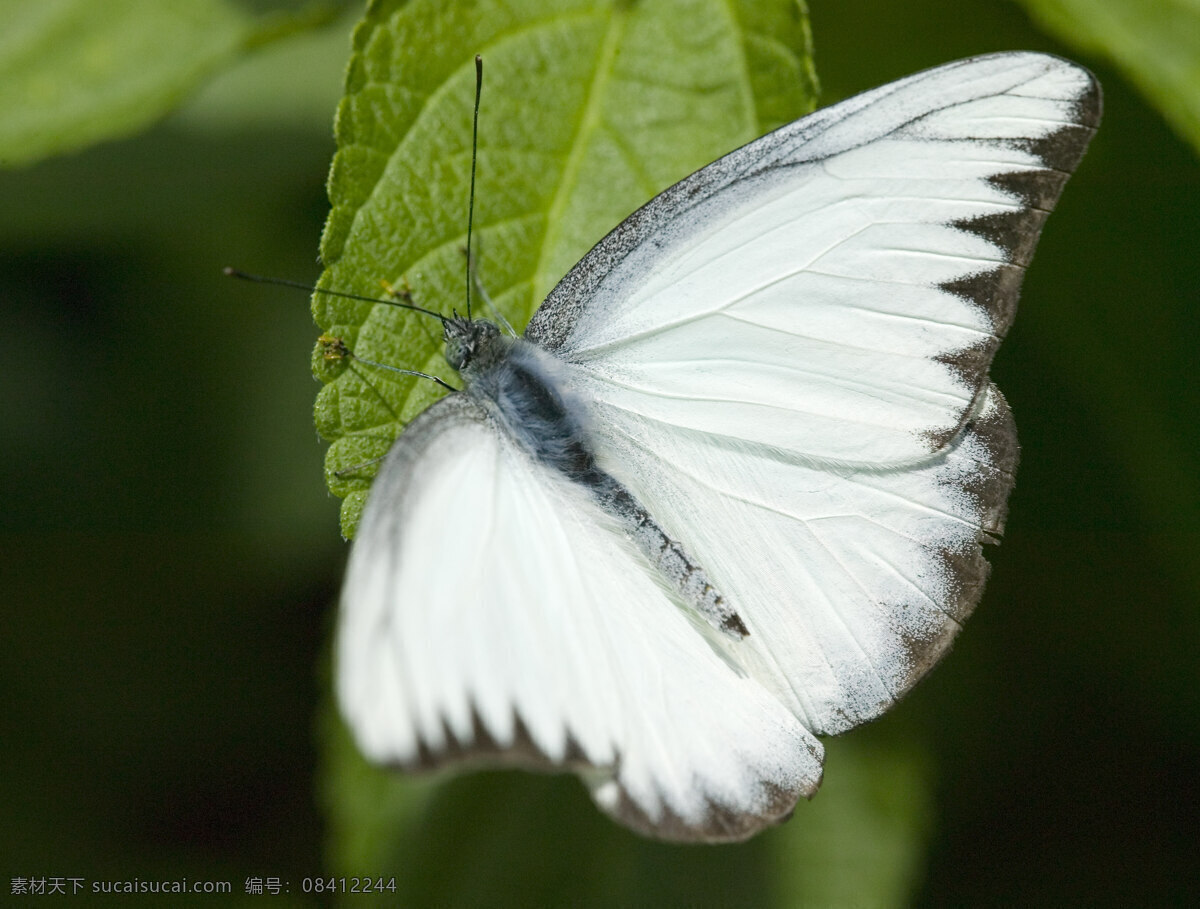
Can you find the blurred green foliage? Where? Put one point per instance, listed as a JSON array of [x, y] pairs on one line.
[[1157, 44], [75, 72], [170, 562]]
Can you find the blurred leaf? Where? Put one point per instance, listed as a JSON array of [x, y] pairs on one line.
[[370, 813], [1156, 43], [292, 84], [862, 840], [587, 112], [508, 838], [75, 72]]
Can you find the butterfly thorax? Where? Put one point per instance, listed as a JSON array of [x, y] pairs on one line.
[[521, 386], [525, 389]]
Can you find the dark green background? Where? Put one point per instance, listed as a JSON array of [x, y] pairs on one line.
[[170, 558]]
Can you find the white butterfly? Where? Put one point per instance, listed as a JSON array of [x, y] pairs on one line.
[[728, 491]]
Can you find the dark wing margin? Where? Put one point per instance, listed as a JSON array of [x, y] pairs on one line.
[[1016, 233], [990, 440]]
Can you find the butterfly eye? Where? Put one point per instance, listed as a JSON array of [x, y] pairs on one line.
[[460, 346], [457, 352]]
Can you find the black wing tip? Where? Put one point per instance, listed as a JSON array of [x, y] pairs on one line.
[[1089, 107], [1015, 233]]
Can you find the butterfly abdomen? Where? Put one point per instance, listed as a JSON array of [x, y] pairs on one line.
[[522, 389], [670, 558]]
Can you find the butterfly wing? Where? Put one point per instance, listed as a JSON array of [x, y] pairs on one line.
[[491, 608], [785, 356]]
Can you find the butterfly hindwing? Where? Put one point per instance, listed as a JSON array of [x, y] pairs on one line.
[[851, 581], [491, 608]]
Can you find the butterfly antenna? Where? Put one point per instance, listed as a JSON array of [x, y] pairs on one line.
[[284, 282], [474, 155], [487, 299], [334, 349]]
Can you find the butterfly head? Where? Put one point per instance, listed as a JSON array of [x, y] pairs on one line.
[[472, 344]]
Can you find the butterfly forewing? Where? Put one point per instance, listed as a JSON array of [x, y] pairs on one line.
[[837, 288]]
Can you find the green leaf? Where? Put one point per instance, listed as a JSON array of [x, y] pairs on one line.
[[1156, 43], [587, 112], [75, 72]]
